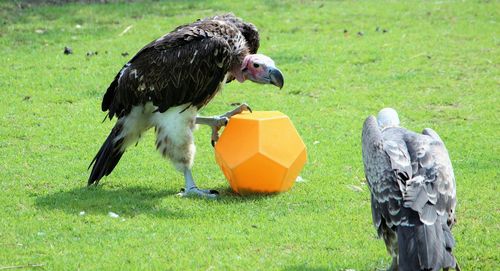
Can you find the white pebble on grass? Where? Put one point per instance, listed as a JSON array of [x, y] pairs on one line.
[[82, 213], [355, 188], [299, 179], [113, 215]]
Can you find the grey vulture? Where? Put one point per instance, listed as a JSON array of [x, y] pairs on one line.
[[167, 82], [413, 193]]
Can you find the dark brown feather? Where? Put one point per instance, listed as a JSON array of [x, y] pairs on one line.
[[185, 66]]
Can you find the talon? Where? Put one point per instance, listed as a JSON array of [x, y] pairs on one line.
[[195, 191], [246, 107], [220, 121], [215, 135], [238, 110]]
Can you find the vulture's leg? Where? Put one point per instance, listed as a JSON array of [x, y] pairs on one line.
[[218, 122], [215, 123], [174, 140], [191, 189]]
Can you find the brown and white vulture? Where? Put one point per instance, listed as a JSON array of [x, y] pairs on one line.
[[413, 193], [169, 80]]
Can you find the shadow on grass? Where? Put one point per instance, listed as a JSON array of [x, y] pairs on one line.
[[127, 202], [130, 201], [228, 196]]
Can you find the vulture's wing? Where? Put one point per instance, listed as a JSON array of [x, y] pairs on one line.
[[386, 164], [432, 193], [184, 66], [429, 201], [248, 30]]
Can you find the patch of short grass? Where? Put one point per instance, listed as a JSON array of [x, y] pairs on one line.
[[435, 62]]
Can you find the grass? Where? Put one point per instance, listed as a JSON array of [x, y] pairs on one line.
[[437, 63]]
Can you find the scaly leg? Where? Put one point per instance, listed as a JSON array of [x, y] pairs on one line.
[[218, 122], [191, 189]]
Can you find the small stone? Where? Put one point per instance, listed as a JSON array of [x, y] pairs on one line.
[[78, 26], [316, 142], [299, 179], [82, 213], [113, 215]]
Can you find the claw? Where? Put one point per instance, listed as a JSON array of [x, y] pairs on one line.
[[195, 191], [242, 107], [220, 121], [215, 134]]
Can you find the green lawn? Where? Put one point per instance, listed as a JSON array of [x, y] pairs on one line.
[[437, 63]]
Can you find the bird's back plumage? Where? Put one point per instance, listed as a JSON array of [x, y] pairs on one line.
[[413, 194], [187, 67]]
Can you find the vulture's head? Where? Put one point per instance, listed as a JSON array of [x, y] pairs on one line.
[[260, 69], [387, 117]]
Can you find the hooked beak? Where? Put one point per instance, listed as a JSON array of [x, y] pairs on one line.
[[276, 77]]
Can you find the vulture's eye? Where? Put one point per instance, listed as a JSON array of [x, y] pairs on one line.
[[255, 65]]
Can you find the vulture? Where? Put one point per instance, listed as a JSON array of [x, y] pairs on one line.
[[169, 80], [413, 193]]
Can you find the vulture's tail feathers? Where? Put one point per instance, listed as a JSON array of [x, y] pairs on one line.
[[426, 247], [108, 155], [108, 101]]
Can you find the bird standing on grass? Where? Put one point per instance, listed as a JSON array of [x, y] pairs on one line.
[[169, 80], [413, 193]]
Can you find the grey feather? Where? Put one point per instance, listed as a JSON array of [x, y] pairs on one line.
[[413, 194]]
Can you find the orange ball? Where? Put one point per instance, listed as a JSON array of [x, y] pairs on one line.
[[260, 152]]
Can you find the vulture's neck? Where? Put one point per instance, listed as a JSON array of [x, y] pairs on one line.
[[238, 70]]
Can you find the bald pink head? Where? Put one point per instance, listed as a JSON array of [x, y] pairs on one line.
[[260, 69]]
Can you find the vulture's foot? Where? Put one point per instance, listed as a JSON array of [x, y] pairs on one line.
[[239, 109], [196, 192], [191, 189], [216, 123]]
